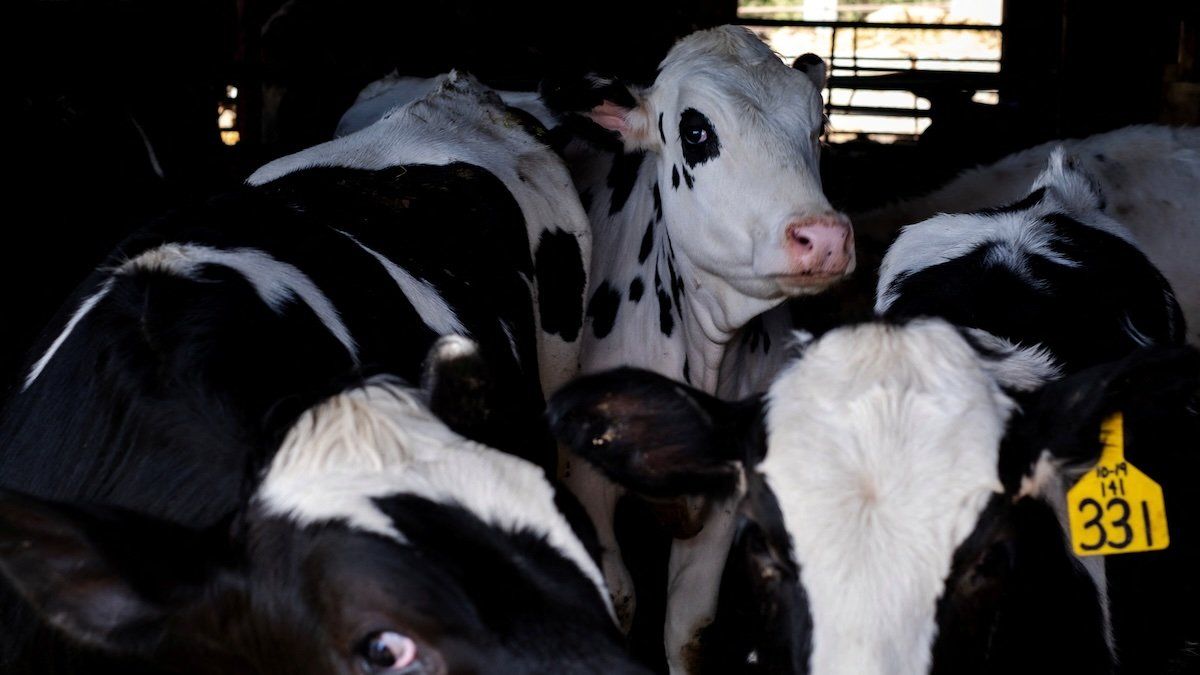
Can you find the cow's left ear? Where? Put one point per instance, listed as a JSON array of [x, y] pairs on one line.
[[619, 110], [813, 66], [657, 437], [1069, 183], [1157, 391], [458, 384]]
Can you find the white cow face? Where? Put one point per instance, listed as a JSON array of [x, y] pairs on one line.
[[734, 136]]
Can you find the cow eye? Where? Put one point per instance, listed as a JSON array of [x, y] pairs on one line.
[[389, 652], [695, 136]]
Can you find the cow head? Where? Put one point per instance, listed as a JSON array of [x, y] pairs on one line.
[[734, 135], [378, 542], [901, 515], [1051, 268]]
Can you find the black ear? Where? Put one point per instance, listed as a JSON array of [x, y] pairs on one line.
[[609, 108], [813, 66], [1156, 389], [655, 436], [458, 384], [104, 581]]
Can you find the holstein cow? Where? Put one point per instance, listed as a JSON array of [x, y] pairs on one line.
[[1145, 177], [1050, 269], [904, 515], [706, 207], [153, 411]]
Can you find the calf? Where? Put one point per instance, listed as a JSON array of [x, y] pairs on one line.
[[1050, 269], [706, 206], [904, 515], [378, 541], [166, 386]]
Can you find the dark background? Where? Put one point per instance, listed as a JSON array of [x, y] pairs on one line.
[[89, 80]]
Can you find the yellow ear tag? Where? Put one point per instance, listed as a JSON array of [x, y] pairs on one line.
[[1115, 508]]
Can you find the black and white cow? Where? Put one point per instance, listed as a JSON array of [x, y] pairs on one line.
[[172, 493], [1050, 269], [705, 199], [905, 515], [1146, 177]]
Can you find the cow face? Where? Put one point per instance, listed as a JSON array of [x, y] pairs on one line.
[[379, 542], [901, 516], [734, 137]]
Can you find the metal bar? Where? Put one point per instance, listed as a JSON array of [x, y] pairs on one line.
[[743, 21], [875, 110]]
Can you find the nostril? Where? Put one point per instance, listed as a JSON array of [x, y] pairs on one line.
[[803, 241]]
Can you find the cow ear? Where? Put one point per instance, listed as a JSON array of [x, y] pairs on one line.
[[654, 436], [102, 581], [813, 66], [1066, 181], [1015, 368], [458, 384], [1157, 391], [609, 106]]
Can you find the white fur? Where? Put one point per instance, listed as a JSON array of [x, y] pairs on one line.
[[393, 91], [276, 283], [84, 307], [1015, 367], [462, 121], [379, 441], [430, 305], [1148, 178], [883, 445]]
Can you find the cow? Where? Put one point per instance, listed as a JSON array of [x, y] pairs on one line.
[[1050, 269], [1145, 176], [160, 402], [378, 541], [905, 503], [705, 199]]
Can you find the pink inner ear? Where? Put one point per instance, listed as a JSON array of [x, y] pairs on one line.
[[610, 116]]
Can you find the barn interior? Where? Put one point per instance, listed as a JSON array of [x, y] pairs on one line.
[[125, 108]]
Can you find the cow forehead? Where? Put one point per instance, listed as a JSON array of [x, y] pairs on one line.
[[380, 441], [883, 444]]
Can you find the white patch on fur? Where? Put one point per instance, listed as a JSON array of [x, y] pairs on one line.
[[84, 307], [430, 305], [380, 441], [1016, 236], [883, 445], [1013, 366], [275, 281]]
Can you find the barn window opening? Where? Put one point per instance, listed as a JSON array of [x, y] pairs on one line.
[[893, 64], [227, 117]]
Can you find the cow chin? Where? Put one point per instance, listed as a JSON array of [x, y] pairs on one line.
[[793, 285]]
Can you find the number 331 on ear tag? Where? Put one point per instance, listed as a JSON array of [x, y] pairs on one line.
[[1115, 508]]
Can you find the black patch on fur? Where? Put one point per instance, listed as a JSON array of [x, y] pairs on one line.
[[603, 309], [692, 125], [666, 323], [636, 288], [661, 135], [687, 178], [658, 212], [1081, 314], [674, 177], [585, 198], [561, 276], [622, 177], [647, 243], [687, 371]]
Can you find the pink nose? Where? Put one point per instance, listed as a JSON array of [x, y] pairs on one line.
[[821, 245]]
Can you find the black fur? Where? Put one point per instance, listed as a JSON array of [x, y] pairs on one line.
[[692, 122], [622, 176], [666, 322], [602, 309], [561, 277], [636, 288], [674, 177], [647, 243]]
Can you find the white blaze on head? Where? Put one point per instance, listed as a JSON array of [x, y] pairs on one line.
[[883, 444], [380, 441]]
